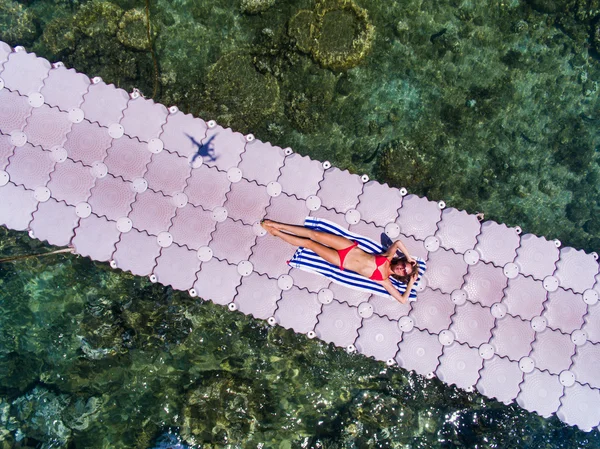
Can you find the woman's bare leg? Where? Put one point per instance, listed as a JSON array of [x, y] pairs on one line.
[[326, 253], [301, 231], [324, 238]]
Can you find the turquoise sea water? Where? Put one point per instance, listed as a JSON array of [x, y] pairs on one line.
[[491, 106]]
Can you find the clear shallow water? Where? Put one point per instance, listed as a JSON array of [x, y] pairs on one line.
[[492, 107]]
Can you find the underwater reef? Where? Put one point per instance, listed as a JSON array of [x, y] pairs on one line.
[[338, 33], [490, 106]]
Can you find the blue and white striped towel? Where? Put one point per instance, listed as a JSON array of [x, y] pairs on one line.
[[307, 260]]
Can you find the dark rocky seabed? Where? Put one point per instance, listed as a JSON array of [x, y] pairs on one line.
[[491, 106]]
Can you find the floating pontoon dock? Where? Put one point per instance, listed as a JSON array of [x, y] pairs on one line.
[[86, 164]]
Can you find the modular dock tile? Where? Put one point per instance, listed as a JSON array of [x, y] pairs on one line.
[[500, 379], [136, 252], [592, 324], [331, 215], [6, 150], [579, 406], [379, 203], [458, 230], [287, 209], [537, 256], [207, 187], [564, 310], [338, 324], [497, 243], [552, 351], [415, 247], [261, 162], [576, 270], [269, 256], [347, 295], [484, 283], [54, 222], [177, 266], [300, 176], [379, 337], [25, 72], [298, 309], [30, 166], [71, 182], [233, 250], [247, 202], [257, 296], [418, 217], [308, 280], [5, 51], [389, 307], [217, 280], [167, 173], [152, 212], [192, 226], [472, 324], [445, 270], [96, 237], [143, 119], [14, 110], [104, 103], [64, 88], [524, 297], [339, 190], [76, 179], [228, 148], [88, 143], [433, 311], [127, 158], [512, 338], [420, 352], [180, 131], [540, 393], [111, 197], [47, 127], [586, 364], [369, 230], [459, 365]]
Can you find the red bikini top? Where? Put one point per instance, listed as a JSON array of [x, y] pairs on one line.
[[379, 260]]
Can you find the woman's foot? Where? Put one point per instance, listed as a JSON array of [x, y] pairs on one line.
[[268, 226], [273, 224]]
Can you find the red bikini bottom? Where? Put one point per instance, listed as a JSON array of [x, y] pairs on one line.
[[344, 252]]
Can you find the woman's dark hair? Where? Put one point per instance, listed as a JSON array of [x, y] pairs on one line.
[[404, 279]]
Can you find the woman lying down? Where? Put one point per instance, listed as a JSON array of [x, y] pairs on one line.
[[346, 254]]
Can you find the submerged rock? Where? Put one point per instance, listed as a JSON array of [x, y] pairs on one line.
[[299, 29], [98, 18], [38, 414], [240, 96], [222, 408], [256, 6], [312, 90], [81, 413], [133, 30], [104, 40], [17, 23], [549, 6], [337, 33]]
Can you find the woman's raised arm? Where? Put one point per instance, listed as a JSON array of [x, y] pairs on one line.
[[394, 293], [398, 245]]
